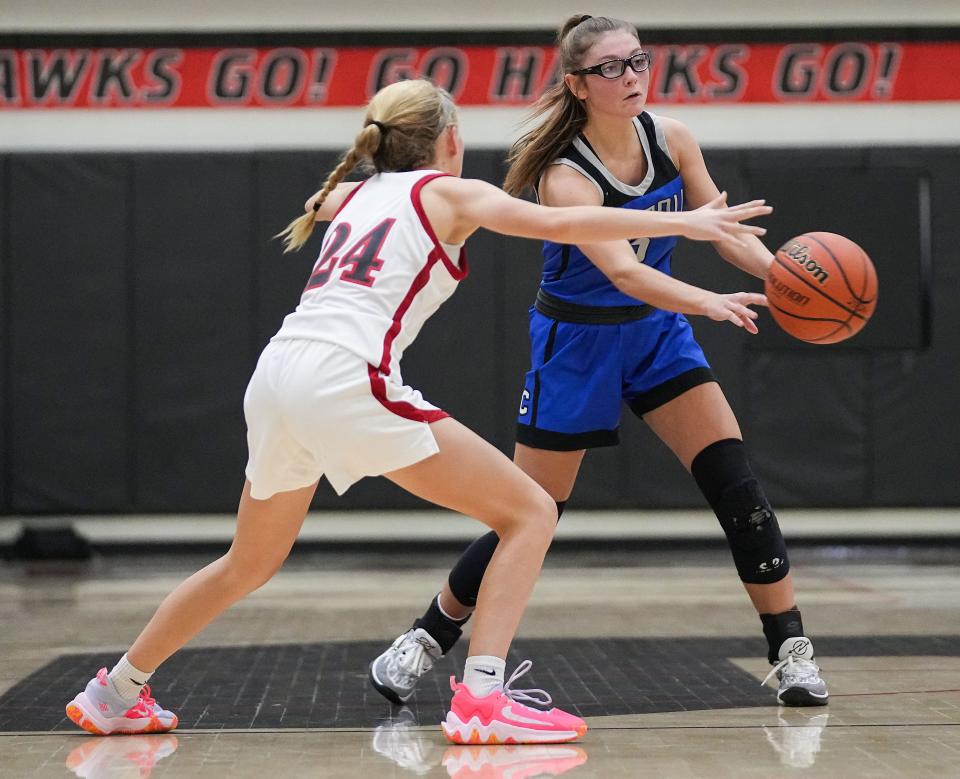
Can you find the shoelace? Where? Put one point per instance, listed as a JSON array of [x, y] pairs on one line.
[[803, 670], [147, 703], [413, 660], [537, 696], [146, 698]]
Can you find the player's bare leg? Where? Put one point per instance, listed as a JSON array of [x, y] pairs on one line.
[[120, 701], [266, 531], [471, 476]]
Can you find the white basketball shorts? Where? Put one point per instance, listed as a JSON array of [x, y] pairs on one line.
[[315, 408]]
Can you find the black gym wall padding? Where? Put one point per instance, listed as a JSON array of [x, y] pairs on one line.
[[137, 290]]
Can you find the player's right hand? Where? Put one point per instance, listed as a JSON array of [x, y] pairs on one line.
[[716, 221], [734, 308]]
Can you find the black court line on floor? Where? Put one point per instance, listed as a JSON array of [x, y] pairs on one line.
[[324, 685]]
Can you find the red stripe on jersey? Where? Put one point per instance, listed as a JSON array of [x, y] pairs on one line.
[[400, 407], [348, 198], [419, 282], [457, 273]]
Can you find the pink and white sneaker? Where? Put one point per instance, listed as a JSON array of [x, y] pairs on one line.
[[100, 710], [501, 718]]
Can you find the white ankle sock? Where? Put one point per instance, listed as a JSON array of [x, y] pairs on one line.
[[127, 679], [483, 674]]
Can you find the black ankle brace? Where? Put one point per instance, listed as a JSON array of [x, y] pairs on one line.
[[445, 631], [778, 628]]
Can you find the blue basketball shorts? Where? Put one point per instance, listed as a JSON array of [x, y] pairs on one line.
[[581, 374]]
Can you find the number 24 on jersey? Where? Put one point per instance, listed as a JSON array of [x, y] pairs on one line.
[[360, 262]]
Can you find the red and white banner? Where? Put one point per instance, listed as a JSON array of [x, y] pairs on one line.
[[291, 77]]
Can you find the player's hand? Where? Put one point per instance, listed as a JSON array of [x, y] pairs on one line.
[[734, 308], [716, 221]]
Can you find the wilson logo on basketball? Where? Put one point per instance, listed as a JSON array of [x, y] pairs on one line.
[[784, 289], [800, 254]]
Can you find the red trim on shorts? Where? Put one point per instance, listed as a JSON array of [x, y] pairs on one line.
[[348, 198], [457, 272], [400, 407]]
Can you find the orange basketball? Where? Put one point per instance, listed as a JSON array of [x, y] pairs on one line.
[[822, 288]]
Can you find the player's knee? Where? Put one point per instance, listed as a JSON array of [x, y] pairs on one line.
[[724, 476], [248, 573], [533, 512], [543, 514], [753, 533]]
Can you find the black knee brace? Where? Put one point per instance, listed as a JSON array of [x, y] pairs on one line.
[[724, 476], [468, 572], [466, 575]]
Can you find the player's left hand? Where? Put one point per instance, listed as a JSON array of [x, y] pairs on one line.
[[733, 308]]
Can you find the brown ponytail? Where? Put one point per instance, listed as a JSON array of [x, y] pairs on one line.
[[401, 127], [562, 113]]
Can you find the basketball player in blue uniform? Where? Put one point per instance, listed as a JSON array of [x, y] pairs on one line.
[[603, 335]]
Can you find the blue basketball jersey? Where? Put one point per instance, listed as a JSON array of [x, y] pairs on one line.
[[593, 348], [567, 273]]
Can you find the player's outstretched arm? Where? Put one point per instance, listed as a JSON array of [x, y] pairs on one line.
[[478, 204], [618, 261], [457, 207]]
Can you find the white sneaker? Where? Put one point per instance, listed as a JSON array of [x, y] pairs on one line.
[[395, 673], [800, 682]]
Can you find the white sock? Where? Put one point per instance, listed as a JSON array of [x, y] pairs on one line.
[[127, 679], [483, 674]]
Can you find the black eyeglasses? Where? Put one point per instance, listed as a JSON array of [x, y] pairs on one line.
[[615, 68]]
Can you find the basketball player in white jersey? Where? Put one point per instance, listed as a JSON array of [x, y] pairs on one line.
[[327, 398]]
